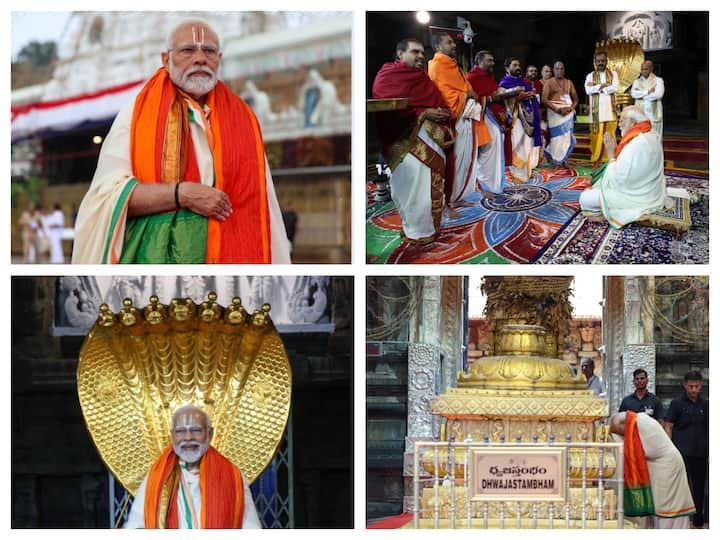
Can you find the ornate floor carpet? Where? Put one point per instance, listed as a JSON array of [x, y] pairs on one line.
[[539, 222], [583, 242]]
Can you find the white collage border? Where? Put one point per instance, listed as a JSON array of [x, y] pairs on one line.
[[358, 268]]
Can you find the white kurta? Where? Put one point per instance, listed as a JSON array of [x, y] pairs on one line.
[[605, 109], [491, 157], [136, 519], [651, 102], [633, 184], [666, 468], [410, 188], [114, 174]]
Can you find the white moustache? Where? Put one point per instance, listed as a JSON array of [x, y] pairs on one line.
[[205, 70], [188, 444]]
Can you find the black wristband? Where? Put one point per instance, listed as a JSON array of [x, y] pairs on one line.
[[177, 196]]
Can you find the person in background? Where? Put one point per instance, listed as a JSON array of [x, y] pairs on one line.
[[687, 422]]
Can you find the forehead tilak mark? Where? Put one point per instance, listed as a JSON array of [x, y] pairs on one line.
[[198, 43], [186, 421]]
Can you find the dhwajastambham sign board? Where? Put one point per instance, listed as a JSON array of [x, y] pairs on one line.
[[519, 474]]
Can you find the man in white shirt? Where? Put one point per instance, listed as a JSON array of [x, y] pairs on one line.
[[601, 86], [648, 90]]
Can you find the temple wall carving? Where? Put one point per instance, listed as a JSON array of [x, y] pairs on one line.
[[294, 299], [423, 371]]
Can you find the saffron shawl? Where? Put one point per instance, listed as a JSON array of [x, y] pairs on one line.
[[221, 486], [637, 493], [452, 84], [160, 152], [637, 129]]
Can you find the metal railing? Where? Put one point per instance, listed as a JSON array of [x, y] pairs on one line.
[[592, 500]]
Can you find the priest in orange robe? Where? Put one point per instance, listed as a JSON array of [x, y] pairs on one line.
[[470, 129]]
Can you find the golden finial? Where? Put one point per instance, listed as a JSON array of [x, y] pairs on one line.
[[106, 316], [182, 309], [261, 317], [210, 310], [155, 313], [128, 314], [235, 313]]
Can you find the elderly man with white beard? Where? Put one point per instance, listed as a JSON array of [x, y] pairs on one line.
[[192, 485], [182, 176], [632, 183]]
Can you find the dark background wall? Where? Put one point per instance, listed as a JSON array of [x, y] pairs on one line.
[[542, 37], [58, 479]]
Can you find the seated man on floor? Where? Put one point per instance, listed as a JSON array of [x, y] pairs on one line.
[[414, 141], [633, 181]]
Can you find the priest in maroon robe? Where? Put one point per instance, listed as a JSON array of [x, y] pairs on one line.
[[414, 141], [491, 157]]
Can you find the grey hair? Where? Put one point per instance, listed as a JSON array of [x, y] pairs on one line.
[[636, 114], [193, 408], [190, 22]]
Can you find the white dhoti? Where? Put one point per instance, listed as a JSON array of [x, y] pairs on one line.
[[525, 155], [56, 251], [562, 139], [466, 151], [491, 158], [411, 188]]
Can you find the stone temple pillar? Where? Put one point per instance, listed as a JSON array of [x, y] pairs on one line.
[[639, 349], [613, 321], [454, 330], [424, 359], [435, 353]]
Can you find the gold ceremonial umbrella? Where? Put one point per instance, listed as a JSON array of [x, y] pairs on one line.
[[138, 366]]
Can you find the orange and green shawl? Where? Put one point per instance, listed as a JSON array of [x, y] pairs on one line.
[[637, 129], [161, 150], [637, 494], [221, 488]]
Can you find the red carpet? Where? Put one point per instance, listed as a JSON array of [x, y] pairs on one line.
[[393, 522]]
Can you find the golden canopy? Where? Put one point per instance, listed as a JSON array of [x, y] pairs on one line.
[[138, 366]]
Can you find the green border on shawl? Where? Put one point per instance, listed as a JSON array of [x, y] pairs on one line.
[[116, 216], [598, 173]]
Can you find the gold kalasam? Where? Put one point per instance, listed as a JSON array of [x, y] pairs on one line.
[[138, 366]]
